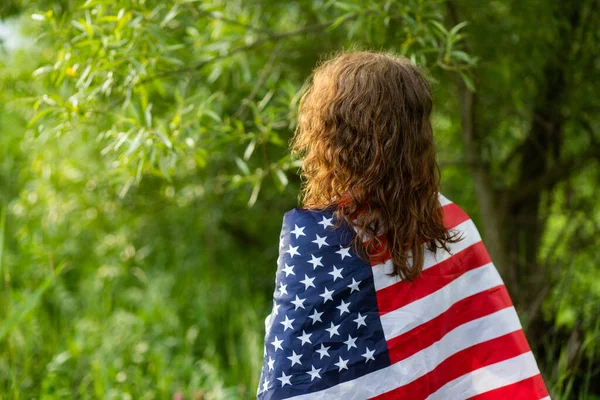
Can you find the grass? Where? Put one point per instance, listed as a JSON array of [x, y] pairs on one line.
[[176, 315]]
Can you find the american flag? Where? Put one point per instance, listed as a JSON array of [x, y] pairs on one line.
[[343, 329]]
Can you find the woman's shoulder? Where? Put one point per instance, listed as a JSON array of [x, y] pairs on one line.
[[310, 215]]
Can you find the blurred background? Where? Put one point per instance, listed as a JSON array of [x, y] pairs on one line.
[[144, 173]]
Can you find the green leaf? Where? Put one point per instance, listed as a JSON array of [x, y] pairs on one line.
[[439, 27], [340, 20], [458, 27], [468, 81], [242, 166], [39, 115], [282, 177]]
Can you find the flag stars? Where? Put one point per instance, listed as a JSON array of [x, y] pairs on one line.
[[270, 364], [295, 358], [354, 286], [336, 273], [326, 222], [342, 364], [315, 261], [369, 355], [287, 324], [323, 351], [314, 373], [293, 251], [265, 385], [351, 342], [320, 241], [316, 316], [298, 231], [285, 379], [344, 252], [305, 338], [333, 330], [360, 321], [343, 307], [277, 344], [299, 303], [308, 282], [327, 295], [282, 289], [289, 270]]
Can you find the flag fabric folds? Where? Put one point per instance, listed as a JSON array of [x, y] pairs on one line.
[[343, 329]]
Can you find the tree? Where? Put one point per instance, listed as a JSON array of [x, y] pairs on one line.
[[150, 122]]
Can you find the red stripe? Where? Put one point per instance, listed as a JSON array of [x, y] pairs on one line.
[[530, 388], [453, 216], [463, 362], [402, 293], [463, 311]]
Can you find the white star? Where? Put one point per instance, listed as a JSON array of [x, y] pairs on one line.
[[336, 273], [299, 303], [287, 324], [282, 288], [298, 231], [289, 270], [368, 355], [333, 330], [277, 344], [314, 373], [343, 308], [270, 364], [327, 295], [326, 222], [351, 342], [265, 385], [323, 351], [316, 316], [342, 364], [344, 252], [360, 321], [305, 338], [354, 286], [295, 358], [275, 308], [281, 241], [308, 282], [293, 251], [285, 379], [320, 241], [315, 261]]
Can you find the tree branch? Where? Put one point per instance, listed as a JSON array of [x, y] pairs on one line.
[[260, 81], [487, 197], [271, 37]]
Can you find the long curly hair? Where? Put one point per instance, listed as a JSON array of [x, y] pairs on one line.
[[366, 144]]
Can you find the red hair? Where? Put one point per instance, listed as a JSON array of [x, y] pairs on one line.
[[364, 135]]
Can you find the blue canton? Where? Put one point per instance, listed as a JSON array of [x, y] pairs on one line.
[[324, 328]]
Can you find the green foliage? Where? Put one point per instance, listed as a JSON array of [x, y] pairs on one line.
[[134, 136]]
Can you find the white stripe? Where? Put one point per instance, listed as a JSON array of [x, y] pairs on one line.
[[489, 378], [443, 200], [546, 398], [425, 309], [403, 372], [466, 230]]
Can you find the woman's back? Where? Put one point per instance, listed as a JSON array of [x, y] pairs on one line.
[[341, 328]]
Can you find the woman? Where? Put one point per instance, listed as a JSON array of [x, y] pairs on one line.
[[384, 289]]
